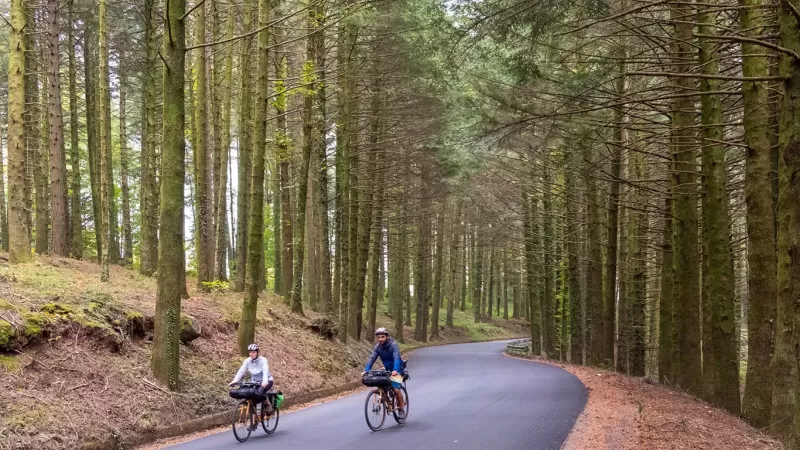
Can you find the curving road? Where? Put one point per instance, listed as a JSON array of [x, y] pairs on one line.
[[464, 396]]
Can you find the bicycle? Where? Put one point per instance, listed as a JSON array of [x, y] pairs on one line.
[[246, 416], [383, 399]]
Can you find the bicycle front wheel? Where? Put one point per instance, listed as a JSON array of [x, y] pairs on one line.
[[406, 408], [375, 410], [270, 422], [242, 420]]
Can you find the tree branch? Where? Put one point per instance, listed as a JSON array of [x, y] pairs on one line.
[[745, 40], [792, 9], [707, 77], [199, 4]]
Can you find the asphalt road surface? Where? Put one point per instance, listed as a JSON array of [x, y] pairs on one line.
[[464, 396]]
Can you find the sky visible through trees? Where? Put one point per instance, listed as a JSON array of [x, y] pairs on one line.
[[623, 175]]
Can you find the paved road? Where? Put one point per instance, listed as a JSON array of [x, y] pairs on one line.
[[465, 396]]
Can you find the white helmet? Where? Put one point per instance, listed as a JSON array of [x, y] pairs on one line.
[[381, 330], [252, 348]]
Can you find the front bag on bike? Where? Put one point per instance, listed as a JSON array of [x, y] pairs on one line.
[[377, 379], [246, 392]]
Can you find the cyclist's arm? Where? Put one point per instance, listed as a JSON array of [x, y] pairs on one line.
[[396, 356], [240, 373], [371, 360], [267, 373]]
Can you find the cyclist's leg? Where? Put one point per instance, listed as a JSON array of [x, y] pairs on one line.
[[267, 402], [398, 393]]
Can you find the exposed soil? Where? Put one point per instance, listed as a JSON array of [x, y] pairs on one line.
[[632, 413]]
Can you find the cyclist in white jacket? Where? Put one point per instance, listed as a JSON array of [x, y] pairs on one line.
[[258, 367]]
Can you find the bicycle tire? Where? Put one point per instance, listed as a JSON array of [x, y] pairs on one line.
[[377, 408], [394, 412], [270, 424], [247, 406]]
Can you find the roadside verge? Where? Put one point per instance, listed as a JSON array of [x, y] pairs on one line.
[[630, 413]]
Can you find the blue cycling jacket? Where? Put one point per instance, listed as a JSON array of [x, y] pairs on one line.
[[389, 352]]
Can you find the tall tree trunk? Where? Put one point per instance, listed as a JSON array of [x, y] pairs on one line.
[[76, 219], [530, 274], [594, 278], [243, 151], [348, 30], [789, 207], [465, 238], [667, 344], [366, 204], [309, 143], [353, 302], [455, 261], [439, 269], [247, 327], [92, 135], [423, 261], [38, 127], [549, 299], [223, 154], [783, 416], [610, 290], [203, 231], [166, 336], [283, 154], [58, 163], [762, 278], [638, 280], [377, 237], [366, 208], [490, 293], [148, 196], [277, 231], [718, 281], [573, 264], [685, 255], [106, 191], [19, 241], [504, 276], [127, 231], [3, 211], [477, 258]]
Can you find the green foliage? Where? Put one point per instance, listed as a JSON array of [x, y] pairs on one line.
[[216, 286], [6, 333], [34, 323]]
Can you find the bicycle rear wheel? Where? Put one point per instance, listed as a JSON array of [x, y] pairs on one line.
[[375, 410], [270, 423], [242, 420], [394, 413]]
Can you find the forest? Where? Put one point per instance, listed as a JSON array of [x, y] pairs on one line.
[[624, 175]]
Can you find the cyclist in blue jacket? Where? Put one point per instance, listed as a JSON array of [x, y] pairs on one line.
[[389, 353]]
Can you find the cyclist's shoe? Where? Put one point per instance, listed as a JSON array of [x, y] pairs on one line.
[[268, 409], [401, 413]]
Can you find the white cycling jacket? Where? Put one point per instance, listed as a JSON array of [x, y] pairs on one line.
[[257, 369]]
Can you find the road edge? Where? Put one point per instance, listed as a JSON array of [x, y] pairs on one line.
[[581, 419], [131, 440]]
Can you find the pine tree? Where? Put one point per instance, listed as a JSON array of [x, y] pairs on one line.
[[166, 336]]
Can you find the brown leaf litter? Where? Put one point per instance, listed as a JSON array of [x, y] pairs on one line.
[[625, 413]]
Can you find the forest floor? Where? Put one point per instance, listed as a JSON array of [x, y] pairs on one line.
[[627, 413], [75, 365]]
